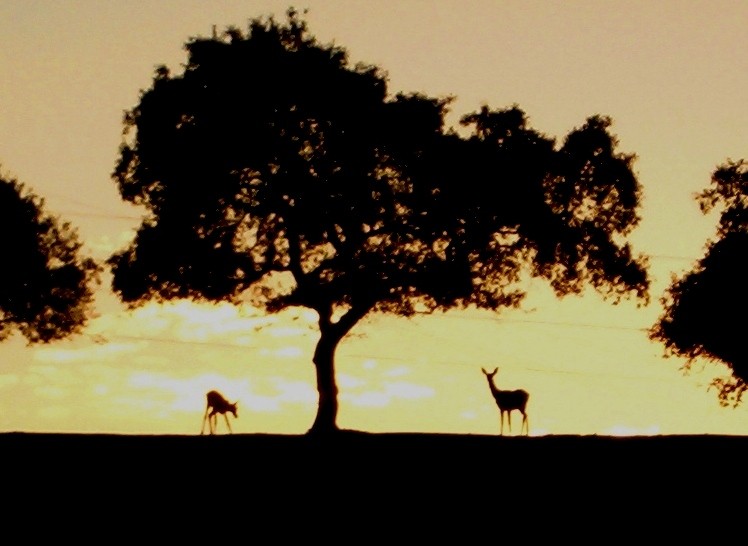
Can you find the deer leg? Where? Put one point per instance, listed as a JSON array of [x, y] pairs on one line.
[[205, 417], [225, 416]]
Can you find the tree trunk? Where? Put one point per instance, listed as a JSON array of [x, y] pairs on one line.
[[324, 362]]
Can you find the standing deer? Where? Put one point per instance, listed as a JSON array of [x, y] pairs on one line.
[[508, 401], [216, 404]]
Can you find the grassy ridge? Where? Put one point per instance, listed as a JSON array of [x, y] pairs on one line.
[[421, 453], [400, 484]]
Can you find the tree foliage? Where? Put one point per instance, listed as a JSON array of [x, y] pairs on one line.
[[273, 167], [46, 284], [703, 310]]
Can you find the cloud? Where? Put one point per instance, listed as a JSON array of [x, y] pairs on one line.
[[282, 352], [390, 392], [101, 390], [51, 391], [623, 430], [347, 381], [185, 321], [295, 391], [369, 399], [189, 330], [188, 394], [409, 391], [398, 371], [104, 246]]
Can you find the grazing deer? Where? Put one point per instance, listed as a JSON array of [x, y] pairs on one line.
[[508, 401], [216, 404]]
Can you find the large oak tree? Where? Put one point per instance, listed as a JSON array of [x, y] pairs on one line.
[[704, 310], [271, 166], [46, 281]]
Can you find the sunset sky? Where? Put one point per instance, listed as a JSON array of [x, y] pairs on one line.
[[673, 76]]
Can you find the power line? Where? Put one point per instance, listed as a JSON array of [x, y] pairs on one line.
[[561, 323], [453, 364]]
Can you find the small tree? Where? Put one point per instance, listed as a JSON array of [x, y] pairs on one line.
[[271, 166], [704, 310], [46, 284]]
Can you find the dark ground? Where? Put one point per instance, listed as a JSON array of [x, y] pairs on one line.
[[381, 480]]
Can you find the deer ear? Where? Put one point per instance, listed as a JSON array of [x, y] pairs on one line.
[[495, 370]]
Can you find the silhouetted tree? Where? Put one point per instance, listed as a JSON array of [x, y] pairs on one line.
[[46, 284], [272, 167], [704, 311]]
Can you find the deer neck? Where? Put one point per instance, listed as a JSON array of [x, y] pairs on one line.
[[492, 385]]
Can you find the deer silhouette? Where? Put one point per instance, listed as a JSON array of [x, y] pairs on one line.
[[508, 401], [215, 404]]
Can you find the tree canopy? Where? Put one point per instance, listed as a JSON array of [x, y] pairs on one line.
[[274, 170], [46, 283], [704, 310]]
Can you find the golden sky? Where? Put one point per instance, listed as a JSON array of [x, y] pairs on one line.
[[673, 75]]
